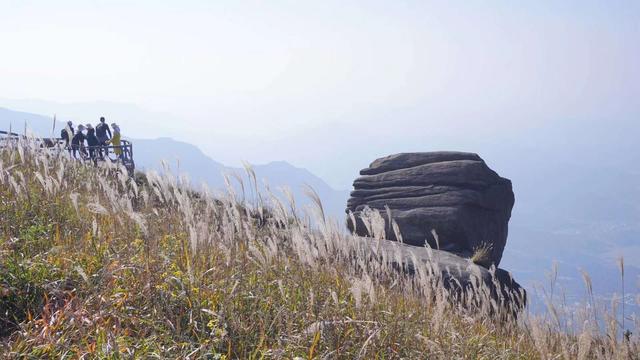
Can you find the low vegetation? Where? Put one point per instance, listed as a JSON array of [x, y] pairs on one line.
[[97, 264]]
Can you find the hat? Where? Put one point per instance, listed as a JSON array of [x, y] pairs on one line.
[[81, 127], [89, 126]]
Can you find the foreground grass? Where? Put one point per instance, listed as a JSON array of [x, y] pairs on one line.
[[94, 264]]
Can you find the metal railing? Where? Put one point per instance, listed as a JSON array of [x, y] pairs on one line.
[[122, 153]]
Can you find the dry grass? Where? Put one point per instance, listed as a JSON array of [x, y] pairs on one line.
[[482, 255], [95, 265]]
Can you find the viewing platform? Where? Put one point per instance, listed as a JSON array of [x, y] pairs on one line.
[[83, 153]]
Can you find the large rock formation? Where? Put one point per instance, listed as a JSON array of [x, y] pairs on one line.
[[454, 194]]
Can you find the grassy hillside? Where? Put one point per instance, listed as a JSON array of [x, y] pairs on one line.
[[96, 264]]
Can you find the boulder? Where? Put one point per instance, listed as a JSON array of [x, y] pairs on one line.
[[453, 195], [466, 281]]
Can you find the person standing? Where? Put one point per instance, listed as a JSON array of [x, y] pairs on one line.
[[116, 141], [77, 142], [66, 134], [94, 144], [103, 133]]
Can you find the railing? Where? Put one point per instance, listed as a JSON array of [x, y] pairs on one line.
[[83, 153], [11, 134]]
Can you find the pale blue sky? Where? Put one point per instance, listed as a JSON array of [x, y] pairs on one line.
[[329, 85]]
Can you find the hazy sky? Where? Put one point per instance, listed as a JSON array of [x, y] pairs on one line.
[[330, 85]]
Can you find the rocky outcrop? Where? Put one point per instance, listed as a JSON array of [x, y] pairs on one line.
[[466, 281], [453, 195]]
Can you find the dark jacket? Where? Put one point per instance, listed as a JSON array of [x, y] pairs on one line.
[[67, 133], [101, 131], [78, 139], [92, 140]]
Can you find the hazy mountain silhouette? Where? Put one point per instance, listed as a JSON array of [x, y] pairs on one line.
[[577, 186], [180, 157], [138, 120], [16, 120], [184, 158]]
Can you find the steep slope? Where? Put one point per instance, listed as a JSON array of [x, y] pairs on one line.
[[95, 265]]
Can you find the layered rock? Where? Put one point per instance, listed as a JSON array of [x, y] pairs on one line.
[[452, 194], [460, 276]]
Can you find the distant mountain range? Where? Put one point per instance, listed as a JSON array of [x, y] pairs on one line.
[[185, 158], [18, 122], [138, 121], [577, 187]]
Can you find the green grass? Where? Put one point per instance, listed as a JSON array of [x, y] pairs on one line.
[[152, 269]]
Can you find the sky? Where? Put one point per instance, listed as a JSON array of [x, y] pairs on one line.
[[329, 85]]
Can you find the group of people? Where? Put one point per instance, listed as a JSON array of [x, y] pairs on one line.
[[94, 139]]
